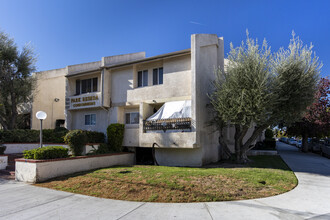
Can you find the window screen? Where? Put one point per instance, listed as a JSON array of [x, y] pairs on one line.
[[155, 77], [160, 75], [140, 79], [87, 119], [134, 118], [128, 118], [145, 77], [90, 119], [77, 87], [83, 86], [94, 84], [93, 119]]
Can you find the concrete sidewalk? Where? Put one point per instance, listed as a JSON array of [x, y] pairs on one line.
[[309, 200]]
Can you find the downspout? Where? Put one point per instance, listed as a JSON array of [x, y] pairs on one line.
[[153, 154]]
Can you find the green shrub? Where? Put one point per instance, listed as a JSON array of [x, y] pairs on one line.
[[267, 144], [19, 136], [270, 144], [102, 149], [48, 136], [269, 133], [95, 137], [32, 136], [115, 134], [2, 149], [54, 135], [51, 152], [76, 139]]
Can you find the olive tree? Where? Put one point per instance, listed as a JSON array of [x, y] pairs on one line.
[[259, 89], [16, 82]]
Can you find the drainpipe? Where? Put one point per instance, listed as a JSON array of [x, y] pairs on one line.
[[153, 154]]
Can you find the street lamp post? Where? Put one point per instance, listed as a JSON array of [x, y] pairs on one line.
[[41, 116]]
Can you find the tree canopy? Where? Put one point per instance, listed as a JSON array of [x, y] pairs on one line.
[[316, 120], [259, 89], [16, 82]]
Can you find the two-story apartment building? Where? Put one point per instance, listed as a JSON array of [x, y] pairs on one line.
[[162, 100]]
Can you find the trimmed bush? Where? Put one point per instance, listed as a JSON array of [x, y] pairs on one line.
[[19, 136], [269, 133], [267, 144], [53, 135], [48, 136], [32, 136], [103, 149], [95, 137], [51, 152], [115, 134], [76, 139], [2, 149], [270, 144]]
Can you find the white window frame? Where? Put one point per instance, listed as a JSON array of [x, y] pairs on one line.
[[130, 118], [90, 120]]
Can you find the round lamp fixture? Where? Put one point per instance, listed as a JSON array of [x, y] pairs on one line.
[[41, 115]]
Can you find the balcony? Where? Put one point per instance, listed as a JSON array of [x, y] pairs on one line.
[[171, 124]]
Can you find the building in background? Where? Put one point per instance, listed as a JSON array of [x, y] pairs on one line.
[[162, 100], [49, 96]]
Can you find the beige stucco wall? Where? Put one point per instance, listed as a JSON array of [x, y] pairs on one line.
[[50, 85], [176, 81], [121, 83], [78, 119], [207, 54], [179, 157]]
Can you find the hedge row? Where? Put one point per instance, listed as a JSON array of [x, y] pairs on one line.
[[77, 139], [32, 136], [48, 136], [51, 152]]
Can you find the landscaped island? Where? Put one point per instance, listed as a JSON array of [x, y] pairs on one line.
[[265, 176]]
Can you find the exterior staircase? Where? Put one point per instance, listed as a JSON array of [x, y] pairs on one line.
[[9, 172]]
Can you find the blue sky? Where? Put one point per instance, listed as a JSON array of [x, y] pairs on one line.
[[66, 32]]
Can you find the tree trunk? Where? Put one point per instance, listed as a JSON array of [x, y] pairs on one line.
[[256, 133], [239, 150], [12, 124], [237, 143], [304, 142], [3, 124], [224, 150]]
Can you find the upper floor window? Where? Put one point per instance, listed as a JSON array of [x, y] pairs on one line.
[[86, 86], [132, 118], [158, 76], [90, 119], [143, 78]]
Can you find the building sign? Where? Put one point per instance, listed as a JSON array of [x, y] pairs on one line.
[[85, 101]]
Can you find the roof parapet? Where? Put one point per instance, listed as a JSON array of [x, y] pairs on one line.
[[83, 67], [119, 59]]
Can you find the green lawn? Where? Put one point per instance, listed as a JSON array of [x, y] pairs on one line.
[[265, 176]]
